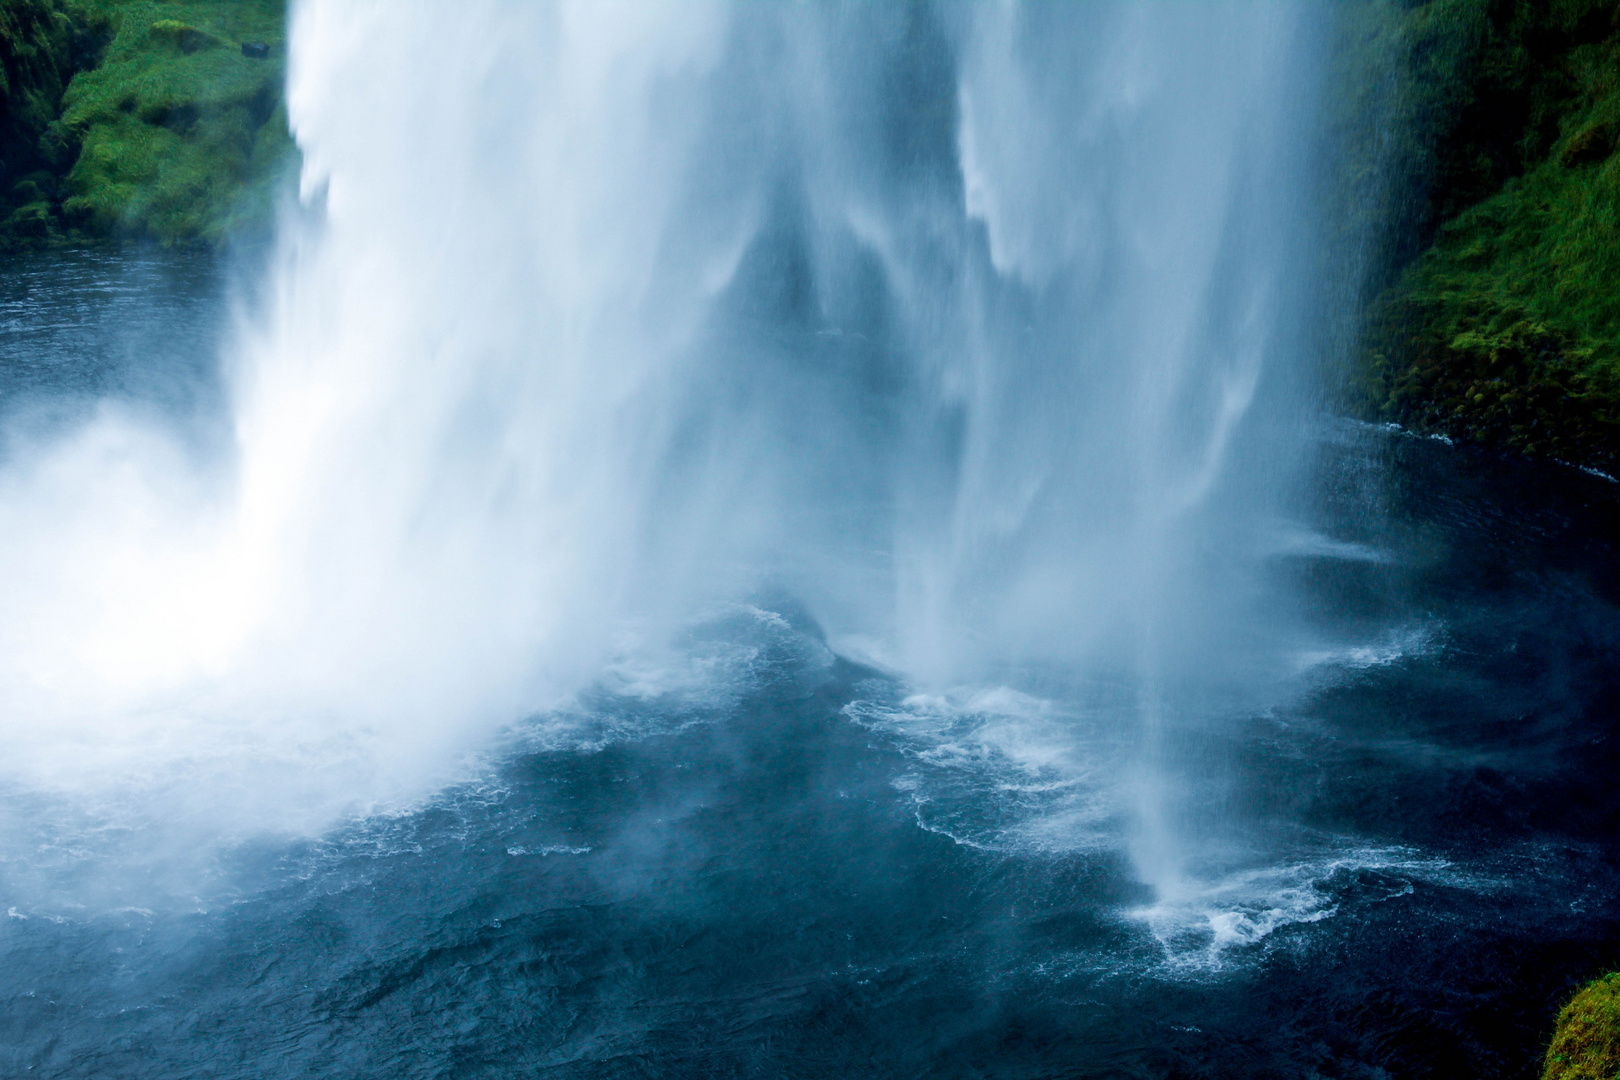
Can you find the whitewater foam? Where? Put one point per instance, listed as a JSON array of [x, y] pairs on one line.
[[979, 331], [1212, 924]]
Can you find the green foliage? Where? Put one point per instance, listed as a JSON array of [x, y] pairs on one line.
[[181, 136], [1586, 1044], [1443, 101], [36, 61], [1505, 330], [140, 117]]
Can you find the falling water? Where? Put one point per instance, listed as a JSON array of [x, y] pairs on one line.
[[979, 331]]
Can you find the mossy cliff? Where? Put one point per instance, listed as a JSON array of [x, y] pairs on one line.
[[141, 118], [40, 49], [1497, 316], [1586, 1045]]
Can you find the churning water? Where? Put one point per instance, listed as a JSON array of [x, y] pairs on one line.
[[776, 539], [971, 329]]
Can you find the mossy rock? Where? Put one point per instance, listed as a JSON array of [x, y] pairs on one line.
[[1586, 1043], [1591, 145], [1505, 332], [31, 222], [183, 36], [141, 118], [36, 62], [179, 135]]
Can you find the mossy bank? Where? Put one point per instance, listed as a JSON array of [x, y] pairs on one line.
[[161, 119], [1586, 1045], [1496, 311]]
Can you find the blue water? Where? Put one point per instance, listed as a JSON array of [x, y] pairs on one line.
[[793, 866], [143, 326]]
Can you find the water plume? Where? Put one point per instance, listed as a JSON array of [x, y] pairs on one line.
[[980, 330]]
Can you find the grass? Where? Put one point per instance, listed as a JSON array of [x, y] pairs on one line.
[[181, 136], [1505, 332], [1586, 1043], [140, 118], [36, 62]]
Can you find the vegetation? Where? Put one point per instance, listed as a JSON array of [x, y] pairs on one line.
[[1586, 1045], [37, 58], [1504, 331], [141, 118]]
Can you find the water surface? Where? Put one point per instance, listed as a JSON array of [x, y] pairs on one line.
[[764, 858]]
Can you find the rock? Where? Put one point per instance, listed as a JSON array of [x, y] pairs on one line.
[[256, 50]]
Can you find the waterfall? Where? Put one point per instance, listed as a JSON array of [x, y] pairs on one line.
[[983, 331]]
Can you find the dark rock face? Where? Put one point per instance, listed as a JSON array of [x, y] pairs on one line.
[[256, 50]]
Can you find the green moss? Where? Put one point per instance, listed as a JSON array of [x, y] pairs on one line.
[[31, 220], [183, 36], [1586, 1043], [37, 58], [1505, 331], [180, 136]]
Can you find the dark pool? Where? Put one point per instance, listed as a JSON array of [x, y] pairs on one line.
[[805, 871]]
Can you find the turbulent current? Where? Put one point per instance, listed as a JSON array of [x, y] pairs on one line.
[[780, 539]]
